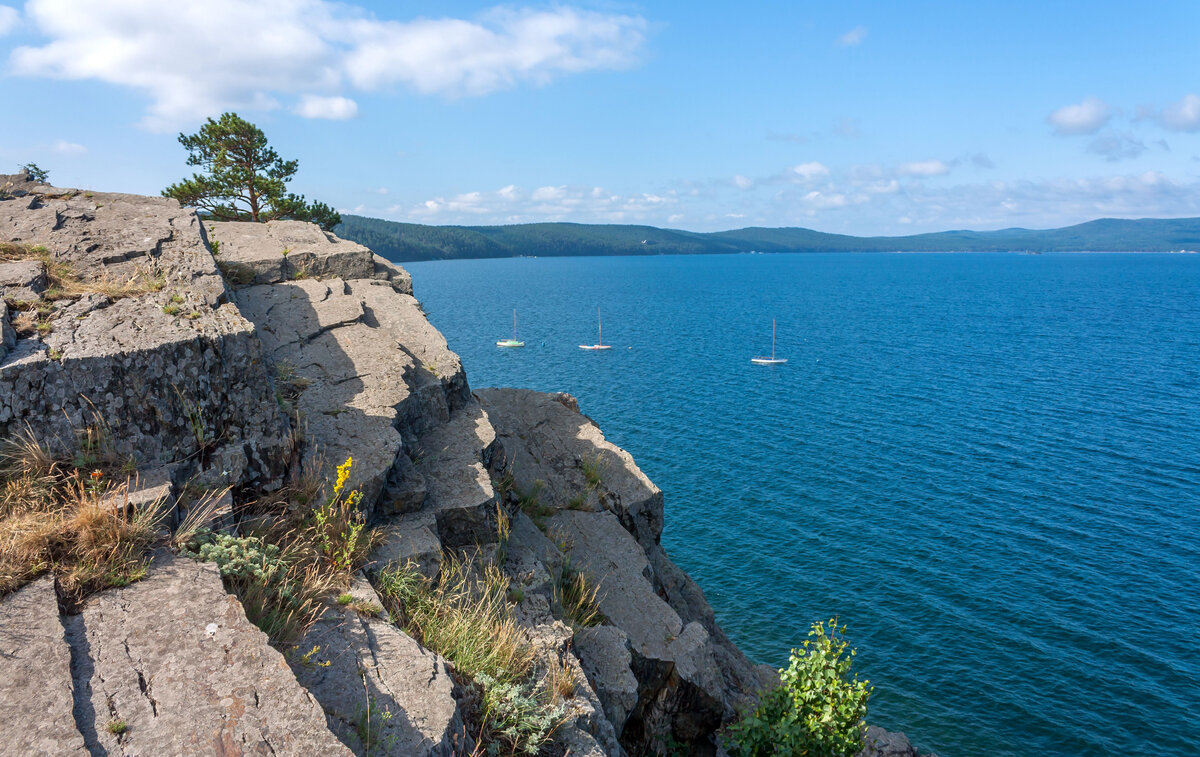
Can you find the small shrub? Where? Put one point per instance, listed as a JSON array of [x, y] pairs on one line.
[[517, 715], [279, 589], [171, 309], [117, 727], [818, 708], [344, 600]]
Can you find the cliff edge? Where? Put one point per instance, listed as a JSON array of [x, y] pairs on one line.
[[224, 364]]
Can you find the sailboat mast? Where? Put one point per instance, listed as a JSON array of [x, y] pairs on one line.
[[772, 338], [599, 327], [514, 324]]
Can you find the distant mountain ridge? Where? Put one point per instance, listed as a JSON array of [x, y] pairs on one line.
[[403, 242]]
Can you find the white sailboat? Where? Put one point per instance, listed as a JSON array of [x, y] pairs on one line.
[[599, 345], [770, 360], [511, 342]]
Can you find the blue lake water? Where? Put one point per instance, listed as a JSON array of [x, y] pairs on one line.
[[987, 465]]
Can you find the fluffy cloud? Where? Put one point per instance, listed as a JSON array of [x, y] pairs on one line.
[[1083, 118], [64, 147], [806, 172], [853, 37], [923, 168], [335, 108], [1183, 115], [741, 182], [8, 19], [195, 60], [511, 204]]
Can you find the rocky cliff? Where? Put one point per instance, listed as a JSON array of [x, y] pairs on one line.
[[224, 356]]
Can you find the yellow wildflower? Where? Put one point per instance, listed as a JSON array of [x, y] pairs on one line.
[[343, 473]]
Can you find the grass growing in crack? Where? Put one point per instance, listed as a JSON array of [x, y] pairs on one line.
[[575, 597], [117, 727], [72, 522], [64, 282], [530, 504], [593, 467], [464, 616]]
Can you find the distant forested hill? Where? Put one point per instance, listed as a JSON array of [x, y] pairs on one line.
[[409, 241]]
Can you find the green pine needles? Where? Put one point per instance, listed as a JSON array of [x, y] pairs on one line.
[[818, 709]]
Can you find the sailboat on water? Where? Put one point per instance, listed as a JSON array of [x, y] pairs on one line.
[[770, 360], [511, 342], [599, 345]]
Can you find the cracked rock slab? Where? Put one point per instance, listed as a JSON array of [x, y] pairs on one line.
[[278, 251], [175, 658], [383, 693], [36, 692]]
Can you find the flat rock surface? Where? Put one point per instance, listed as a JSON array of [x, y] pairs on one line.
[[279, 251], [176, 659], [36, 692], [383, 693]]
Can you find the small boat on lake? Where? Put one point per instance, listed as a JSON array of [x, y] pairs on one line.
[[770, 360], [599, 345], [511, 342]]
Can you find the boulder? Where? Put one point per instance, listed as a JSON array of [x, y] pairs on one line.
[[37, 697], [410, 538], [174, 657]]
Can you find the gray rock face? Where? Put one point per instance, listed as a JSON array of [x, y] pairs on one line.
[[608, 517], [36, 693], [175, 658], [149, 345], [604, 654], [369, 372], [383, 693], [567, 450], [277, 251]]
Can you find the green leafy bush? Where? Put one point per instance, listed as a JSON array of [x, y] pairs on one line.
[[818, 709]]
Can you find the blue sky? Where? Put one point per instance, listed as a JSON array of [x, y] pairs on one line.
[[863, 118]]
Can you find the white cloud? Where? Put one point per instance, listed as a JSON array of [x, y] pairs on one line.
[[9, 17], [809, 171], [1083, 118], [68, 148], [194, 60], [923, 168], [335, 108], [1183, 115], [741, 182], [853, 37], [511, 204]]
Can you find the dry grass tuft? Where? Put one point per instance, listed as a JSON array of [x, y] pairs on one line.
[[56, 518]]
